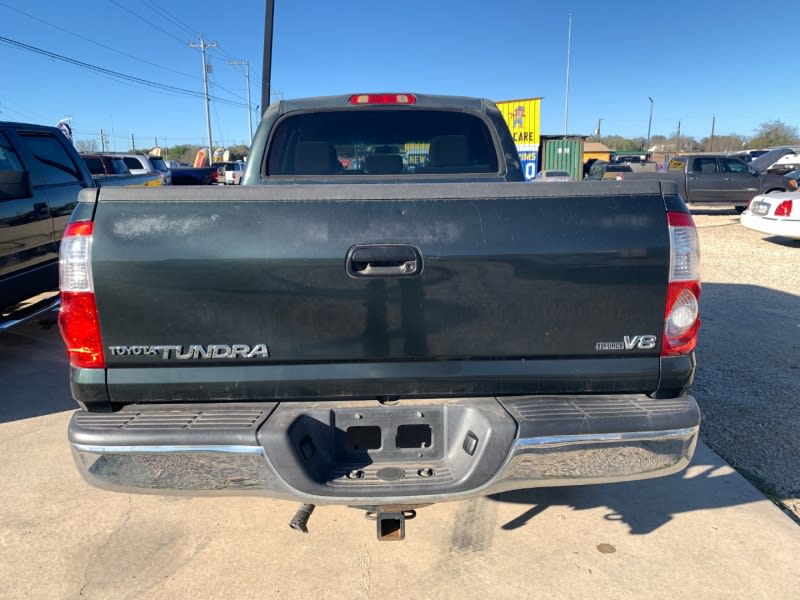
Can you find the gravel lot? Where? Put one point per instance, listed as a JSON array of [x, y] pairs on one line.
[[748, 376]]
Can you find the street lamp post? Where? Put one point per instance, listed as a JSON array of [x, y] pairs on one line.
[[649, 125]]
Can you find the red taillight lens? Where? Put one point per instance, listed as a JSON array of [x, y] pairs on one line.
[[682, 310], [784, 209], [383, 99], [682, 318], [78, 319], [81, 330]]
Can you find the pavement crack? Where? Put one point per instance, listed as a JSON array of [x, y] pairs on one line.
[[365, 562], [101, 547]]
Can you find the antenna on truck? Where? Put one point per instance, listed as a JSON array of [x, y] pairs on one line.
[[266, 69]]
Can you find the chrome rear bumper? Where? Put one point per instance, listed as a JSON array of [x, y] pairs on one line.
[[282, 464]]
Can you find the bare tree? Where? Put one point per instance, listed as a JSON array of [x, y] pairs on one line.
[[774, 133], [86, 145]]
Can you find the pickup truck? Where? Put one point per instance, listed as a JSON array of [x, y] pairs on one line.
[[40, 177], [384, 315], [714, 179], [112, 170], [195, 175]]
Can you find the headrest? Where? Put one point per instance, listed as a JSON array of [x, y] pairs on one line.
[[382, 164], [315, 158], [449, 151]]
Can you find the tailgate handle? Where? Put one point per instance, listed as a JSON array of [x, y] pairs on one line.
[[384, 260]]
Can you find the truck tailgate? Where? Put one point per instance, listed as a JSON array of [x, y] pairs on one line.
[[314, 291]]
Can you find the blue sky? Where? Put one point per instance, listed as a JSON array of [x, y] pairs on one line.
[[696, 63]]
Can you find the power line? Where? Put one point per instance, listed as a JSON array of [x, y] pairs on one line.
[[116, 74], [85, 39], [141, 18], [166, 14]]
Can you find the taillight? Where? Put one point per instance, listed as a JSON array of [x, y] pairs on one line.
[[383, 99], [784, 209], [682, 311], [77, 319]]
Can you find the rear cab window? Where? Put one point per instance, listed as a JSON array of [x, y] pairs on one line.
[[364, 142], [159, 164], [133, 163]]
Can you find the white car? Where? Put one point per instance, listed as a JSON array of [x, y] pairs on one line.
[[234, 171], [777, 213]]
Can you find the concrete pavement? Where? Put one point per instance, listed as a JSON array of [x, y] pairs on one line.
[[706, 533]]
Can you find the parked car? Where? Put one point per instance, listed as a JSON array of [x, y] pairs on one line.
[[219, 175], [790, 161], [606, 170], [100, 164], [142, 163], [719, 179], [234, 171], [776, 214], [194, 175], [629, 158], [112, 170], [41, 175], [340, 339], [553, 176]]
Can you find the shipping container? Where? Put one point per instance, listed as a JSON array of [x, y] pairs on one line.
[[560, 153]]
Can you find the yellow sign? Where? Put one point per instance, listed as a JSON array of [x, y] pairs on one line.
[[523, 119]]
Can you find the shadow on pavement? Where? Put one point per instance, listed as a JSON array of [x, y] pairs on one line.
[[645, 505], [747, 385], [34, 371]]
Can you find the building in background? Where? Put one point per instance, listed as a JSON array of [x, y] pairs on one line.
[[596, 151]]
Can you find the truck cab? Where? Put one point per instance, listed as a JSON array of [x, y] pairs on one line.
[[41, 175]]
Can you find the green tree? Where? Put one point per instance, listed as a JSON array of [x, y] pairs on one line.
[[774, 133], [238, 152]]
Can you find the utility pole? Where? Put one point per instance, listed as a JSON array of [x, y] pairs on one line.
[[713, 126], [597, 131], [133, 145], [678, 139], [266, 69], [246, 66], [203, 45], [103, 140], [566, 86], [649, 125]]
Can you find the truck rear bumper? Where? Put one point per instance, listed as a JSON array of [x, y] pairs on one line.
[[360, 453]]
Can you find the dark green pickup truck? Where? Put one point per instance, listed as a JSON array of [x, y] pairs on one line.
[[384, 315]]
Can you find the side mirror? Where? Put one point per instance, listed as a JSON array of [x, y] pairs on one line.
[[15, 185]]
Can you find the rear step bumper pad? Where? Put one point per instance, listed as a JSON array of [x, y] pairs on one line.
[[358, 453]]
